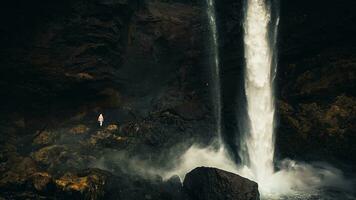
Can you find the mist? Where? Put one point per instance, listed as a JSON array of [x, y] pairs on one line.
[[291, 178]]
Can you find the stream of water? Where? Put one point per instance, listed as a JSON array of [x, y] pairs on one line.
[[259, 136], [215, 68]]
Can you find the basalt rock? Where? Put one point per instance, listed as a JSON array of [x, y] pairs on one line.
[[43, 182], [130, 60], [89, 184], [95, 184], [79, 129], [60, 158], [334, 135], [107, 138], [214, 184], [45, 137], [19, 170], [316, 79]]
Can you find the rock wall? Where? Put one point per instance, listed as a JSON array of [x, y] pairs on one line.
[[316, 80], [63, 63], [137, 62]]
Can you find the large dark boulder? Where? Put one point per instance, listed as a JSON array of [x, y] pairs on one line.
[[214, 184]]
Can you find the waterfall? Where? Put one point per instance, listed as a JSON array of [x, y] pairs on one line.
[[257, 143], [214, 49], [259, 71], [257, 146]]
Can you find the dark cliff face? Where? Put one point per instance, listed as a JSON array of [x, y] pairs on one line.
[[128, 58], [62, 49], [229, 17], [71, 49], [143, 64], [63, 63], [316, 79]]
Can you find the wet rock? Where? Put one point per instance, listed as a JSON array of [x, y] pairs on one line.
[[94, 184], [190, 111], [107, 138], [42, 182], [23, 181], [313, 72], [18, 173], [131, 186], [59, 158], [45, 138], [334, 135], [214, 184], [79, 129], [48, 155], [173, 187], [89, 184]]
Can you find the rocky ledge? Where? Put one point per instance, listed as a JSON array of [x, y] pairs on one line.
[[27, 181]]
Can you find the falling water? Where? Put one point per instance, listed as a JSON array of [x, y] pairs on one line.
[[259, 139], [215, 65], [292, 180]]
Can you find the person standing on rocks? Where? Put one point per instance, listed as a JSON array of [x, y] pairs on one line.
[[101, 119]]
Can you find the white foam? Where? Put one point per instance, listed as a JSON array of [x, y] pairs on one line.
[[291, 179]]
